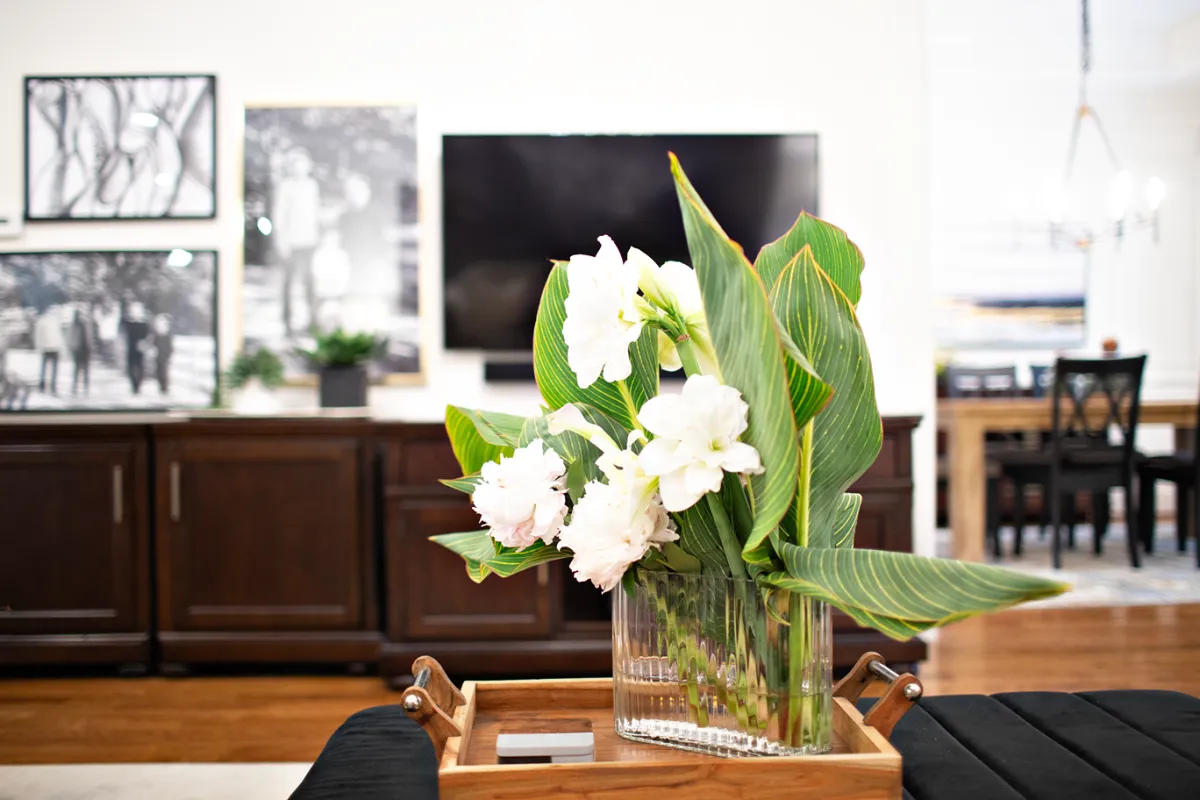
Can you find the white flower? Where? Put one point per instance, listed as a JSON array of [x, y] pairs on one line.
[[521, 499], [614, 524], [696, 440], [673, 287], [603, 314]]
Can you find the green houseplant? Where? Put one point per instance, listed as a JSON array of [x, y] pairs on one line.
[[341, 360], [251, 377], [719, 515]]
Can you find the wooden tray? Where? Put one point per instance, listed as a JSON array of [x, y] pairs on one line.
[[862, 766]]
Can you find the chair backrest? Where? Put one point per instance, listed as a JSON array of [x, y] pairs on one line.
[[981, 381], [1115, 385], [1043, 379]]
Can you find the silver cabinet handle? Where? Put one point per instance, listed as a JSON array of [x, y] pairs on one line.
[[118, 495], [175, 491], [543, 574]]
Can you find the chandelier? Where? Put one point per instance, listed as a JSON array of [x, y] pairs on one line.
[[1071, 224]]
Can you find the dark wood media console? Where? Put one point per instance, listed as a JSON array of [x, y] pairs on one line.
[[224, 540]]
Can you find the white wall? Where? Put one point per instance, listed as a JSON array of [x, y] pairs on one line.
[[853, 71], [1003, 85]]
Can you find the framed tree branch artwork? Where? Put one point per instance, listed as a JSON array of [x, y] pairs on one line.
[[120, 147]]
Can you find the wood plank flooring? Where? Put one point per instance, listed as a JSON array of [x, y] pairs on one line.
[[204, 719]]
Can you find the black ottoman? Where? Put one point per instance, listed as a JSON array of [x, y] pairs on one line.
[[1018, 746]]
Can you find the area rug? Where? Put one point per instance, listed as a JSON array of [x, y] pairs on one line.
[[1167, 577], [151, 781]]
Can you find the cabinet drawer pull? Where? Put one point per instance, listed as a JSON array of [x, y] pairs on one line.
[[175, 491], [118, 496], [543, 574]]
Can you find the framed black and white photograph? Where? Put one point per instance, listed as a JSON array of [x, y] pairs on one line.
[[330, 199], [108, 330], [120, 147]]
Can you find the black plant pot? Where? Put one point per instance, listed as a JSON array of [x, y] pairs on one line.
[[344, 387]]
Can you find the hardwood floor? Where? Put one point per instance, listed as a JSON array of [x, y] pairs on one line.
[[289, 719]]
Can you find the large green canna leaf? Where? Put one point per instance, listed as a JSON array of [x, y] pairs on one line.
[[484, 556], [838, 256], [848, 433], [902, 594], [556, 380], [750, 356], [698, 536], [471, 447], [466, 483]]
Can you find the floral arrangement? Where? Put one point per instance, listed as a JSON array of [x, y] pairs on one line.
[[743, 473]]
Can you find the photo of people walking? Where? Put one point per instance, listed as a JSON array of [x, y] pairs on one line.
[[107, 330]]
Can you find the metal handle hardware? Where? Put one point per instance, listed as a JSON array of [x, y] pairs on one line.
[[175, 513], [118, 495], [912, 691]]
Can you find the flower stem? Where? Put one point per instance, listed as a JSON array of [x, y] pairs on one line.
[[729, 540], [687, 356], [804, 487]]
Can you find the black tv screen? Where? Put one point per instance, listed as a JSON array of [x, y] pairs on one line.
[[510, 204]]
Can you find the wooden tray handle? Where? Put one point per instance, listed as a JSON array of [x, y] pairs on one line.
[[903, 691], [431, 701]]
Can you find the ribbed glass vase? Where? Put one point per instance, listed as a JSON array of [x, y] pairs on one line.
[[716, 665]]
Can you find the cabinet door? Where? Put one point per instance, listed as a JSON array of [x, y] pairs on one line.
[[71, 557], [429, 588], [260, 534]]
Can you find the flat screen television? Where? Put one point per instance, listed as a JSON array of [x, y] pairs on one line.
[[510, 204]]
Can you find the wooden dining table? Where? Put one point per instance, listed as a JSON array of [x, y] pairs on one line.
[[968, 420]]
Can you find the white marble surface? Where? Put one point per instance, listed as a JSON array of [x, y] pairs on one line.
[[151, 781]]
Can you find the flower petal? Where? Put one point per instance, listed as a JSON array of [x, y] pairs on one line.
[[741, 457], [675, 494], [682, 286], [659, 457]]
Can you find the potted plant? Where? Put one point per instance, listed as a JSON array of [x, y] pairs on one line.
[[719, 516], [252, 376], [341, 359]]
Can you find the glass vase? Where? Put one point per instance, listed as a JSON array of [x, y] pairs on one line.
[[720, 666]]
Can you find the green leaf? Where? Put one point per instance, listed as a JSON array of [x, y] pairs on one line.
[[556, 380], [809, 392], [838, 256], [750, 356], [848, 433], [467, 483], [678, 560], [901, 594], [470, 447], [484, 556], [698, 535], [570, 446], [495, 427], [845, 519]]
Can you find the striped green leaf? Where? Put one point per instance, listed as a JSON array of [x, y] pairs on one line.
[[848, 433], [845, 519], [698, 535], [495, 427], [556, 380], [484, 556], [571, 447], [838, 256], [466, 484], [750, 356], [902, 594], [809, 392], [471, 448]]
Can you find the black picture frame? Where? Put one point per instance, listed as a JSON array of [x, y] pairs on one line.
[[119, 165], [201, 398]]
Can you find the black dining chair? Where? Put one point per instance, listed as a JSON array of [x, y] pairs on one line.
[[979, 382], [1081, 455], [1182, 469]]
